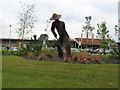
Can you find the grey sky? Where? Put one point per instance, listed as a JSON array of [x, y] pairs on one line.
[[73, 14]]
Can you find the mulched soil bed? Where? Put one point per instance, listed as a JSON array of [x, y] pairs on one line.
[[56, 59]]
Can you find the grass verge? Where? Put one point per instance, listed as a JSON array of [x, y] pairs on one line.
[[21, 73]]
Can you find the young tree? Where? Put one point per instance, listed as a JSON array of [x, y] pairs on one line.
[[117, 32], [88, 29], [47, 25], [26, 21], [103, 34]]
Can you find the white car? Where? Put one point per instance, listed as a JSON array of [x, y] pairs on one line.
[[13, 49], [74, 49], [110, 50], [98, 50]]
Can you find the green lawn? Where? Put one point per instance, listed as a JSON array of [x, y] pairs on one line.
[[21, 73]]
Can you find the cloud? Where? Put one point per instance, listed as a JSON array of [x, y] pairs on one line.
[[73, 14]]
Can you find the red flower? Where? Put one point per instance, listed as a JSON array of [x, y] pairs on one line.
[[30, 54], [67, 59], [75, 57], [41, 57], [97, 58], [84, 58]]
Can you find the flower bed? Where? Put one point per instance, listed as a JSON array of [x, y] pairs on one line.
[[51, 55]]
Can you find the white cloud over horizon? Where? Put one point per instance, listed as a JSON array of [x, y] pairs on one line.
[[73, 14]]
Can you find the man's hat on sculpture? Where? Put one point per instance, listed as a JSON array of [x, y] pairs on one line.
[[55, 16]]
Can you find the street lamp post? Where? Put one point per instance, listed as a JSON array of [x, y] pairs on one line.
[[119, 27], [9, 35], [92, 40], [81, 39]]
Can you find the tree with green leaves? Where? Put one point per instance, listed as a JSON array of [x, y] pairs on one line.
[[26, 21], [116, 29], [88, 29], [103, 35], [117, 32]]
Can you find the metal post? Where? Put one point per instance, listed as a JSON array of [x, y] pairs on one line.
[[92, 40], [9, 35], [119, 27], [81, 40]]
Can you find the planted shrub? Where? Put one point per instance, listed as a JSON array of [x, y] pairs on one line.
[[35, 47], [97, 58], [87, 59], [41, 57], [23, 52], [84, 58], [30, 55], [10, 52], [50, 54], [75, 58], [67, 59]]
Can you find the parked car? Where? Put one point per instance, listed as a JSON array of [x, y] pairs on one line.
[[99, 50], [74, 49], [110, 51], [89, 50], [13, 49]]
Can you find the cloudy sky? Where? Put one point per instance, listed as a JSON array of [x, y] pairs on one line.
[[73, 14]]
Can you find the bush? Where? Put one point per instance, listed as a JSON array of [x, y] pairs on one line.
[[48, 52], [10, 52], [23, 52], [85, 59], [35, 47], [67, 59], [30, 55], [41, 57], [109, 58], [113, 56]]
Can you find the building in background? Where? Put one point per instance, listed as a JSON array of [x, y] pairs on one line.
[[91, 44], [75, 43], [14, 42]]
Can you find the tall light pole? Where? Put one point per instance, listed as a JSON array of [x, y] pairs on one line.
[[9, 35], [81, 39], [92, 40], [119, 27]]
